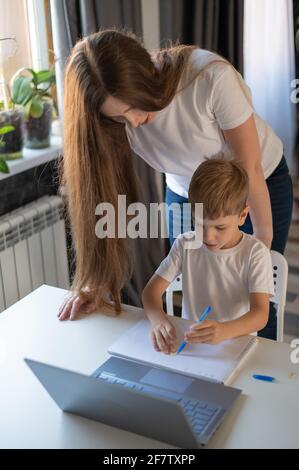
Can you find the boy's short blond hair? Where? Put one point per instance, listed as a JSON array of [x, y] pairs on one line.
[[221, 185]]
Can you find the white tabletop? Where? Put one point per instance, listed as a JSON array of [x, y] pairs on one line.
[[265, 416]]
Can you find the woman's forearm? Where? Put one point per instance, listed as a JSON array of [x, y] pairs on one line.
[[244, 144], [260, 207]]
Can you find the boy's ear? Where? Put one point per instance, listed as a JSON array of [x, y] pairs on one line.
[[243, 215]]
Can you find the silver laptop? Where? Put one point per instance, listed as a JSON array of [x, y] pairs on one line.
[[166, 406]]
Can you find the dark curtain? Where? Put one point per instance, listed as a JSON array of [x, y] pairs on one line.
[[71, 20], [85, 17], [216, 25]]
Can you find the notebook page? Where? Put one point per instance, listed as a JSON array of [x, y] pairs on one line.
[[212, 362]]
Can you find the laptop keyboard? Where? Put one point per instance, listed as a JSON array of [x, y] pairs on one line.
[[199, 413]]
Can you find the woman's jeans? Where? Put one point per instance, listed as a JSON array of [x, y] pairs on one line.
[[281, 195]]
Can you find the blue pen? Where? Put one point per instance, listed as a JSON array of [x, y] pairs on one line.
[[203, 316], [266, 378]]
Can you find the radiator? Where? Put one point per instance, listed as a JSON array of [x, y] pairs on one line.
[[32, 249]]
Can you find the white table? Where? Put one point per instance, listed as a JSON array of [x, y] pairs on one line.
[[266, 415]]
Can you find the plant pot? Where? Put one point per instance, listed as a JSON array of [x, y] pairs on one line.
[[12, 142], [38, 130]]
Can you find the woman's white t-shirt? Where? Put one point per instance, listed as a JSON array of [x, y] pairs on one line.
[[223, 279], [189, 129]]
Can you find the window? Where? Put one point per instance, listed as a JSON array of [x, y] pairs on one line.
[[28, 25], [14, 24]]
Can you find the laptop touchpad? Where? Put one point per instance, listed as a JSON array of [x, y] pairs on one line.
[[159, 378]]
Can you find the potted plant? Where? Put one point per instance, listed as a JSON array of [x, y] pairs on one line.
[[10, 117], [3, 131], [31, 89]]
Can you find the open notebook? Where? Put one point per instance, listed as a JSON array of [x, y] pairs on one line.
[[217, 363]]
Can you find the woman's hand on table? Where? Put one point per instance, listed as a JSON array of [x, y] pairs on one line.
[[76, 304]]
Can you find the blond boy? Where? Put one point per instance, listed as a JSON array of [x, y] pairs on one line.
[[231, 271]]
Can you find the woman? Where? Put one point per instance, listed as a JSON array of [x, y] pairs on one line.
[[174, 108]]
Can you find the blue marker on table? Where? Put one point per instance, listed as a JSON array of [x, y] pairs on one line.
[[266, 378], [203, 316]]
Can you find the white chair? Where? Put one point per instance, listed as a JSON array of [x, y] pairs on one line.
[[280, 277], [175, 286]]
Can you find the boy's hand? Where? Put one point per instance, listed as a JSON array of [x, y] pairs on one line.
[[210, 331], [163, 335]]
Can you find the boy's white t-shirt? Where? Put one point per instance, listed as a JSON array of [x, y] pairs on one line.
[[223, 279], [189, 129]]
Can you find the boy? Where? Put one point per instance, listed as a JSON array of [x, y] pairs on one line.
[[231, 271]]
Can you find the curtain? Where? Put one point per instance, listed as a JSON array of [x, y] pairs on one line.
[[269, 66], [72, 19], [216, 25]]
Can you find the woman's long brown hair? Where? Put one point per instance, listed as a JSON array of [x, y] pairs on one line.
[[97, 163]]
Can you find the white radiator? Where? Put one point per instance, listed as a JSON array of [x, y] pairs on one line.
[[32, 249]]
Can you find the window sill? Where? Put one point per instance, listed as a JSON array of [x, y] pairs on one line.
[[32, 158]]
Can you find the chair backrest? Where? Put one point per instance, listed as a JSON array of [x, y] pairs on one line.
[[280, 277], [175, 286]]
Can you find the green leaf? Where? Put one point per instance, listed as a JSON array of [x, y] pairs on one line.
[[15, 88], [6, 129], [27, 100], [3, 166], [21, 90], [37, 108], [27, 108], [33, 73], [45, 76]]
